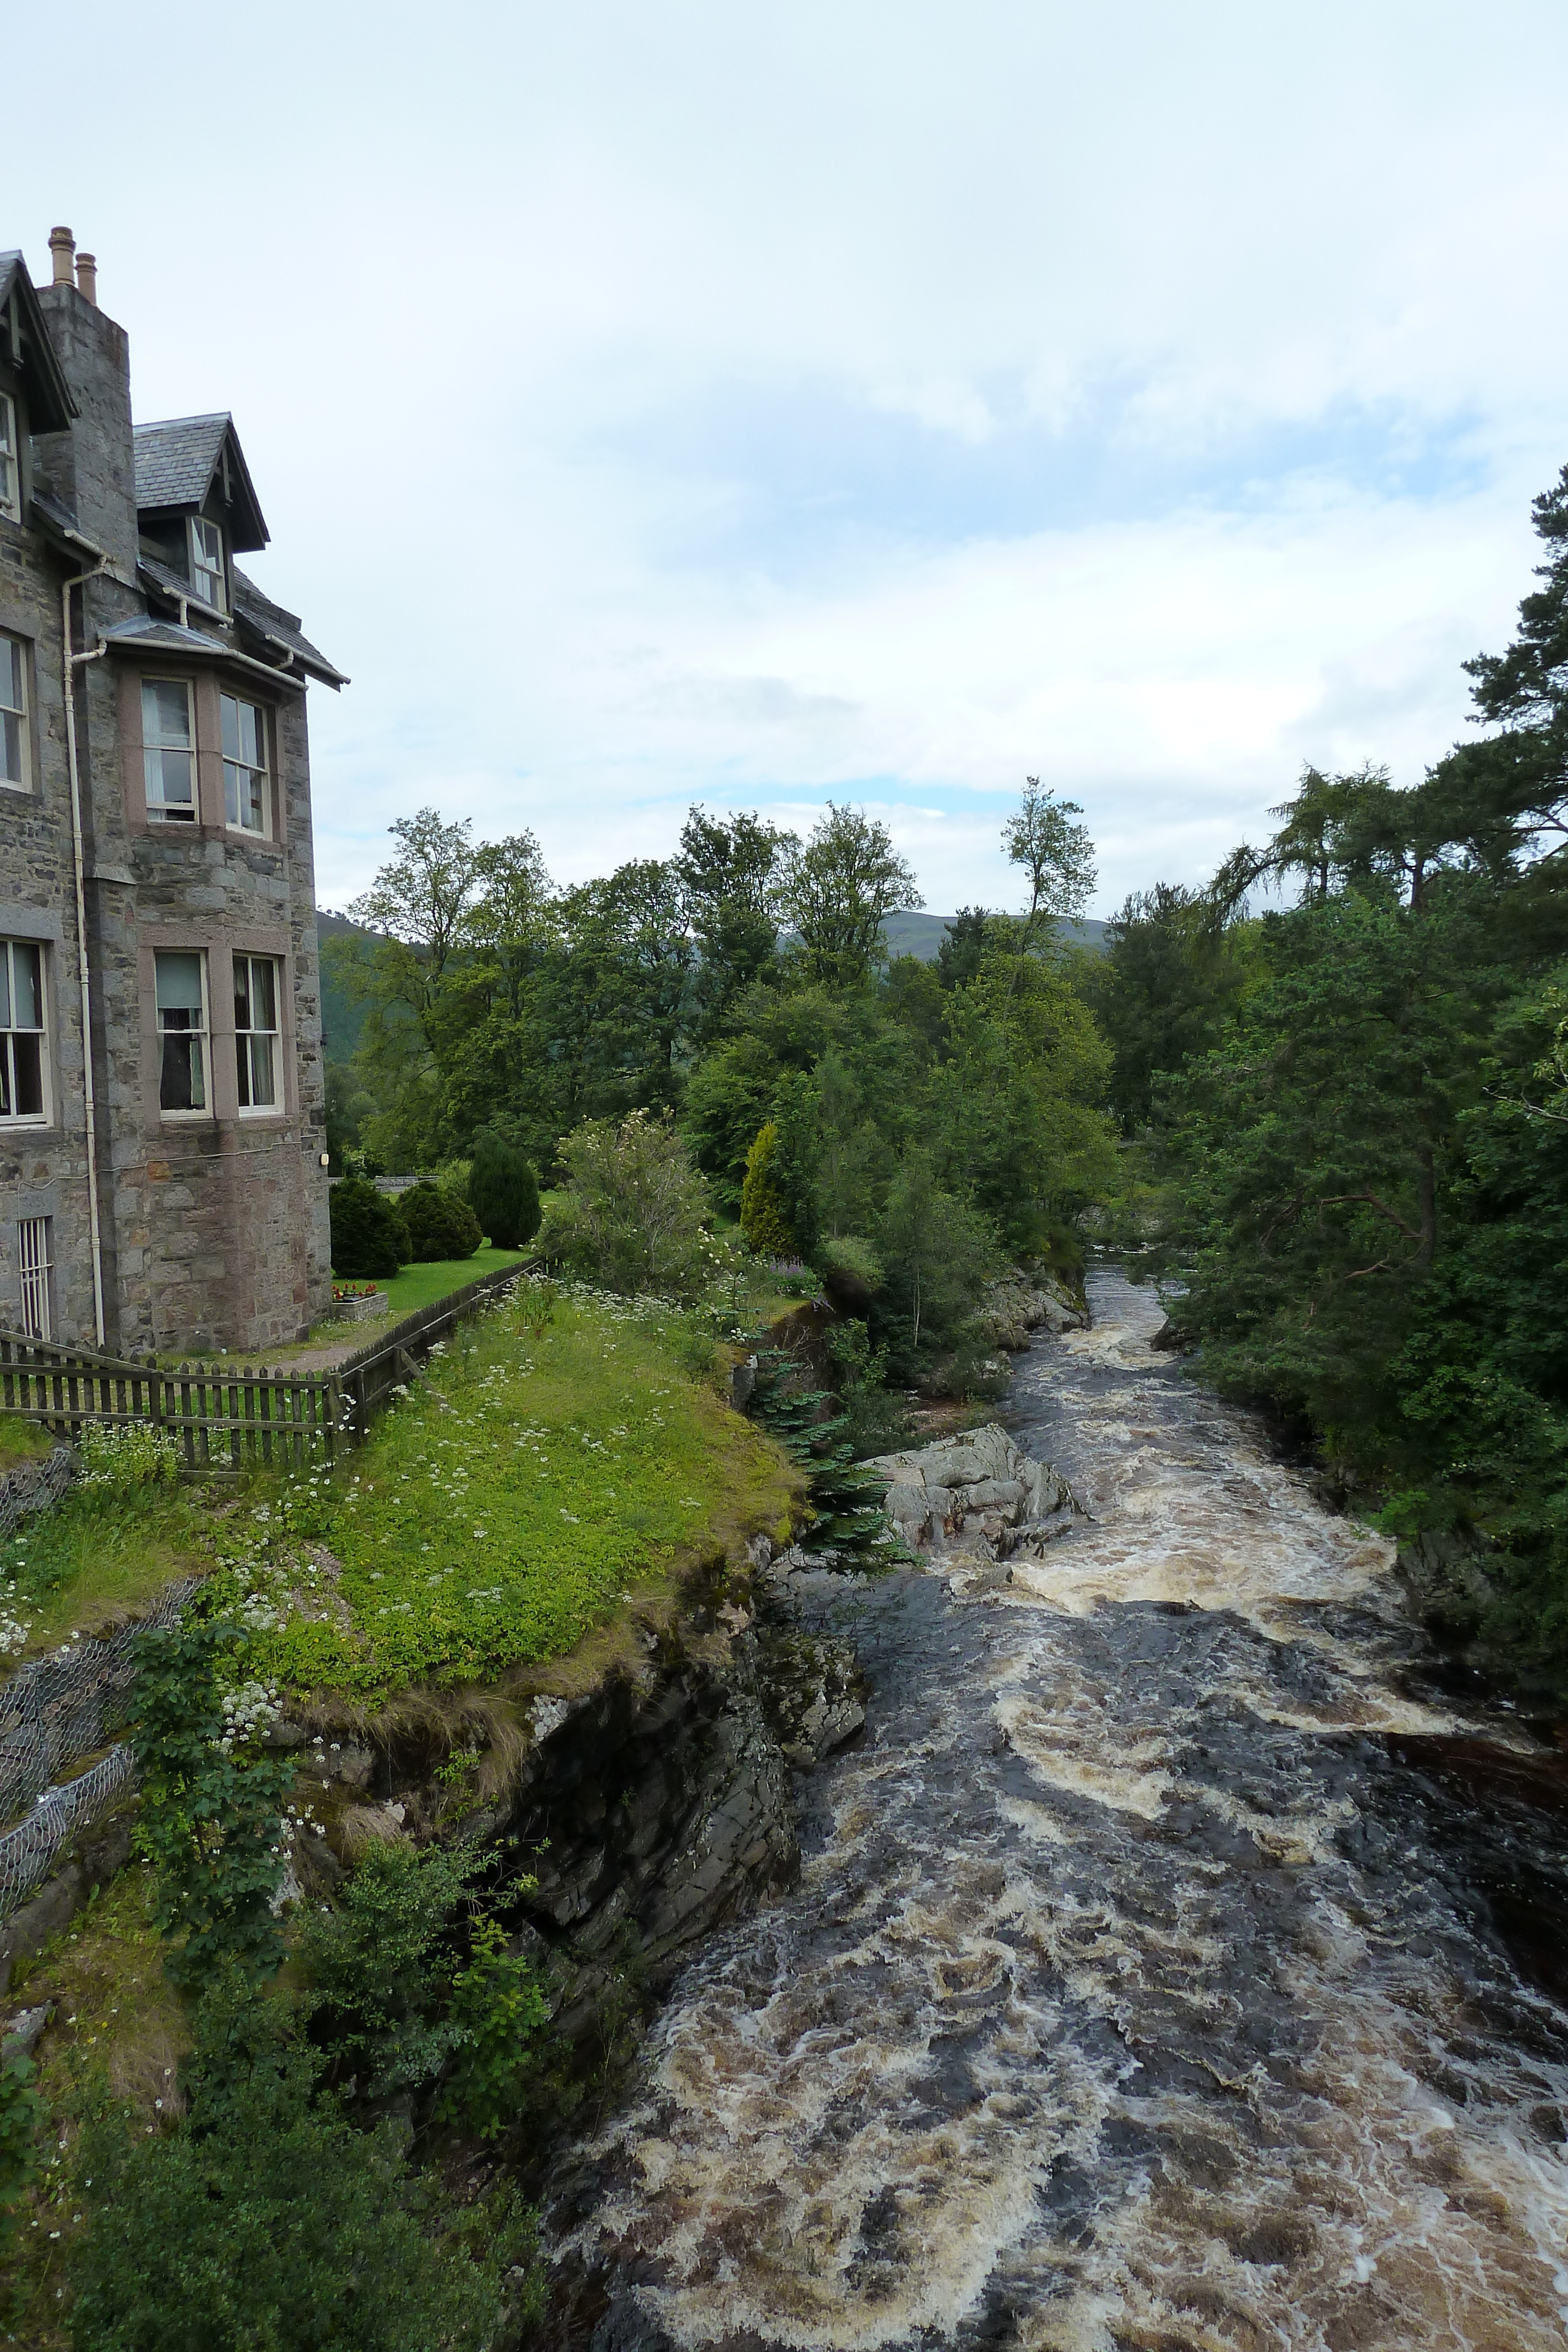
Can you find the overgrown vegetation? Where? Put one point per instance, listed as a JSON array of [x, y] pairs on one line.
[[561, 1453], [721, 1035], [1357, 1104]]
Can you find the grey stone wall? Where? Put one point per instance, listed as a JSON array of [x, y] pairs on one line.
[[215, 1233]]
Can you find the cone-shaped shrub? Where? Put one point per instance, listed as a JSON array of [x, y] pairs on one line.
[[503, 1192], [439, 1225], [762, 1216], [369, 1236]]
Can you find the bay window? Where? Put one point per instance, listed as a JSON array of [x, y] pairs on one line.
[[246, 797], [255, 1032], [13, 712], [169, 750], [24, 1045], [181, 982]]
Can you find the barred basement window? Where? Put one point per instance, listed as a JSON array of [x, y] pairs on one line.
[[169, 750], [181, 988], [36, 1258], [23, 1043], [255, 1031]]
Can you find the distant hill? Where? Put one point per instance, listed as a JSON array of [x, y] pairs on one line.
[[341, 1019], [922, 935], [912, 935]]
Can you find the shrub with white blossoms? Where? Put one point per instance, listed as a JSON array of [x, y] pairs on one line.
[[248, 1711], [117, 1460], [13, 1630]]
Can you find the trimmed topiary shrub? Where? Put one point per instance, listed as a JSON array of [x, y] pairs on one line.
[[503, 1191], [439, 1225], [762, 1216], [369, 1236]]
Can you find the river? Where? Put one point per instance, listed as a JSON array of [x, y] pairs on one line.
[[1174, 1965]]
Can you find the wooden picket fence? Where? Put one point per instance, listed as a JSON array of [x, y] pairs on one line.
[[226, 1418]]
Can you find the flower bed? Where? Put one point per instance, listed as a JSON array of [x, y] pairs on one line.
[[356, 1302]]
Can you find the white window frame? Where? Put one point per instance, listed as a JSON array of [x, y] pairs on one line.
[[35, 1267], [11, 1029], [236, 771], [202, 1036], [10, 459], [16, 683], [209, 577], [247, 1036], [159, 810]]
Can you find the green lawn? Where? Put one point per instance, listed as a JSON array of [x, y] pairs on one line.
[[422, 1286], [540, 1475]]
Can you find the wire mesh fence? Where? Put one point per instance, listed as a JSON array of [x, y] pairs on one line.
[[65, 1705], [33, 1486], [27, 1853]]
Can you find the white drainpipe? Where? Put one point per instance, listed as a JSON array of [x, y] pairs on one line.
[[71, 662]]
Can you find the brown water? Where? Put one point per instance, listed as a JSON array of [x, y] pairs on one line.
[[1173, 1966]]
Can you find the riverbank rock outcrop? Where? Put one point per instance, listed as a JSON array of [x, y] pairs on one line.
[[1022, 1304], [975, 1494]]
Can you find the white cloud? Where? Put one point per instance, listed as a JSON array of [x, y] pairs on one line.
[[621, 386]]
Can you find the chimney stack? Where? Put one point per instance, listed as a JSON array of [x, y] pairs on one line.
[[62, 245], [87, 277]]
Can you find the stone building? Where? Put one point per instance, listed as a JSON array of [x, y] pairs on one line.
[[162, 1181]]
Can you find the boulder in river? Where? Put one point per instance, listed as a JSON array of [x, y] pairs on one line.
[[975, 1494], [1022, 1304]]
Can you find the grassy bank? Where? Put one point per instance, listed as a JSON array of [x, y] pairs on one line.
[[561, 1456]]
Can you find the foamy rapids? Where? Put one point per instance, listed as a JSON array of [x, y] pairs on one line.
[[1142, 1986]]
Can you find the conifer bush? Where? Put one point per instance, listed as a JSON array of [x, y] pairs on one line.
[[762, 1215], [369, 1236], [503, 1191], [439, 1225]]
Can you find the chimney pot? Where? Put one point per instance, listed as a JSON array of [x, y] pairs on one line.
[[86, 277], [62, 245]]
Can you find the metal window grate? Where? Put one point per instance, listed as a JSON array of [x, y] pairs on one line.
[[37, 1271]]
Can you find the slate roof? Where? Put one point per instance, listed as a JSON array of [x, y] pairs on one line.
[[175, 462], [280, 628], [49, 394]]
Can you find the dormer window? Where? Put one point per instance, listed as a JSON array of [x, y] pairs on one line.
[[207, 563], [10, 460]]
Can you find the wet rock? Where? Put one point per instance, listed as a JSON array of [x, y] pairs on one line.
[[812, 1692], [21, 2036], [976, 1495], [1020, 1304]]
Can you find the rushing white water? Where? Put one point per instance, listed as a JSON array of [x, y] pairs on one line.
[[1142, 1988]]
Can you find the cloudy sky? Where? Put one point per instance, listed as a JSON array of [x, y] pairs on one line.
[[754, 406]]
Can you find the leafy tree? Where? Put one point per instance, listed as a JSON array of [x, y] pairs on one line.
[[1171, 978], [1055, 852], [938, 1256], [503, 1191], [838, 891], [265, 2220], [730, 873], [632, 1211], [963, 948]]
